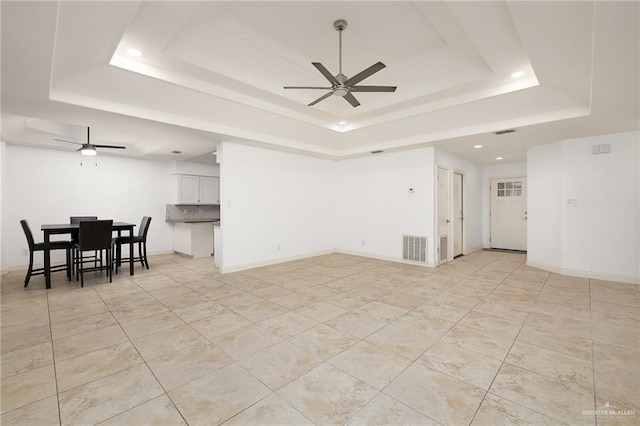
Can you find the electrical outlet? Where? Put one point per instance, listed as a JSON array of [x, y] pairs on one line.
[[278, 246], [363, 242]]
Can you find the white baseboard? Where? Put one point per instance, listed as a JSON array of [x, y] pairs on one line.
[[627, 279], [479, 248], [239, 268], [388, 259]]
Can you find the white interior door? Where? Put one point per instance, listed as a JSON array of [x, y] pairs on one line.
[[458, 214], [443, 215], [509, 213]]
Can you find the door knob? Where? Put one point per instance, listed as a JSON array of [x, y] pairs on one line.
[[448, 221]]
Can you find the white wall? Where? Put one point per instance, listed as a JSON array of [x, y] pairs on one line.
[[472, 195], [48, 186], [3, 260], [271, 199], [544, 206], [375, 207], [599, 237], [492, 172]]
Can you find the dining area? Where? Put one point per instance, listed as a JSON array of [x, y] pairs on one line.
[[89, 244]]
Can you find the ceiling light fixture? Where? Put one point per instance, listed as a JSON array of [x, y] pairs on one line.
[[88, 150], [342, 123], [517, 74], [504, 132], [498, 158], [477, 146], [134, 52]]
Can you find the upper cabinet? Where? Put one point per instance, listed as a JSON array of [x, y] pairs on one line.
[[209, 190], [198, 189]]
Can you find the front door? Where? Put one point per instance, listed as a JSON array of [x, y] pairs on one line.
[[509, 213]]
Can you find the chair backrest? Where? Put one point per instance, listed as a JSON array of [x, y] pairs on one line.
[[78, 219], [95, 234], [144, 227], [27, 233]]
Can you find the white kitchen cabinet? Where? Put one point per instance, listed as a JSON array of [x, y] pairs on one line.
[[193, 239], [209, 190], [198, 189]]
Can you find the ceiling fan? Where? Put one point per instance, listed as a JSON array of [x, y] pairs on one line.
[[89, 148], [340, 84]]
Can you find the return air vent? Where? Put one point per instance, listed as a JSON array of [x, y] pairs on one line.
[[414, 248], [444, 244]]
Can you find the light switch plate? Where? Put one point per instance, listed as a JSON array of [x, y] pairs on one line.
[[572, 202]]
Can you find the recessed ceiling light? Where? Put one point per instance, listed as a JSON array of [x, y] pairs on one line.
[[477, 146], [517, 74], [176, 152], [378, 151], [504, 132], [342, 123], [498, 158], [134, 52]]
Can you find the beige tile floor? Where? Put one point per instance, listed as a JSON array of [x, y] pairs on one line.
[[334, 339]]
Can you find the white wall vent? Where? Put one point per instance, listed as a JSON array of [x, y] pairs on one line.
[[604, 148], [444, 245], [414, 248]]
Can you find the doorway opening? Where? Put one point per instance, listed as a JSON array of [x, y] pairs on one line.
[[458, 215], [444, 221]]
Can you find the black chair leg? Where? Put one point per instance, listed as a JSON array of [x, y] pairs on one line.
[[140, 254], [118, 254], [109, 261], [80, 269], [28, 277], [146, 259], [68, 264]]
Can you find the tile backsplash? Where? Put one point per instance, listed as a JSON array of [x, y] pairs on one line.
[[192, 212]]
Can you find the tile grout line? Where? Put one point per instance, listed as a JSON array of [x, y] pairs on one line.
[[53, 356], [508, 352], [381, 391], [593, 356]]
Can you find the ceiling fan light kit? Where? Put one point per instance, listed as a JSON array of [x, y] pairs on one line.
[[89, 150], [341, 85]]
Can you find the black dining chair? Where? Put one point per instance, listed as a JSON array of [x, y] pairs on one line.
[[94, 235], [140, 239], [74, 238], [53, 245]]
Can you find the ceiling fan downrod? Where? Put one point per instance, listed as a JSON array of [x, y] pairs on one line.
[[340, 25]]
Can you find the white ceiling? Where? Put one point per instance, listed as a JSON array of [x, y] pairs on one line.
[[214, 71]]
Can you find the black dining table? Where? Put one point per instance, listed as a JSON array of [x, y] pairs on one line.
[[74, 228]]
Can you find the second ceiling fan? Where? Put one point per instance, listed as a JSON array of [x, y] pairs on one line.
[[89, 148], [340, 84]]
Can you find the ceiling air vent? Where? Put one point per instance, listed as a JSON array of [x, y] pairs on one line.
[[377, 151], [504, 132]]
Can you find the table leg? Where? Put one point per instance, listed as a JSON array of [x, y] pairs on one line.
[[131, 251], [47, 260]]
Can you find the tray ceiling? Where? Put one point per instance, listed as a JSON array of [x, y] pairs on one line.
[[219, 67]]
